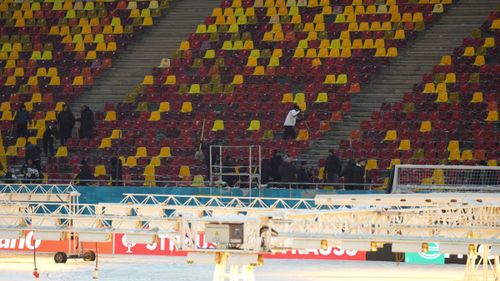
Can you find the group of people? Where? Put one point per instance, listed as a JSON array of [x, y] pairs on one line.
[[32, 170], [64, 130], [281, 169]]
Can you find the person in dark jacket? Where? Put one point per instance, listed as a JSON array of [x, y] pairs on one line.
[[333, 167], [33, 155], [228, 167], [287, 171], [86, 122], [85, 174], [48, 140], [276, 161], [66, 122], [354, 175], [116, 171], [303, 174], [267, 171], [21, 120]]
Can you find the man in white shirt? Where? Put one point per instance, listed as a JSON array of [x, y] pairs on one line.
[[291, 119]]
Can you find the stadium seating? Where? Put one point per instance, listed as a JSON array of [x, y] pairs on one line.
[[450, 117], [51, 51], [247, 63]]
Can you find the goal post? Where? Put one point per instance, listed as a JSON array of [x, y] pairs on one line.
[[442, 178]]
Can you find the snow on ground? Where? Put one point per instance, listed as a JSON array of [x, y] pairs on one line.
[[19, 267]]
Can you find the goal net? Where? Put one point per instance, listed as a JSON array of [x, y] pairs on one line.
[[441, 178]]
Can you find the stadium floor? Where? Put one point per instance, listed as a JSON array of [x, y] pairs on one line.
[[19, 267]]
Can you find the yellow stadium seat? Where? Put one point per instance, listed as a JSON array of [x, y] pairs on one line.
[[164, 152], [299, 97], [489, 42], [287, 98], [50, 116], [495, 24], [394, 162], [148, 80], [341, 79], [442, 97], [149, 170], [303, 135], [105, 143], [330, 79], [7, 116], [62, 151], [116, 134], [110, 116], [380, 52], [237, 79], [479, 61], [371, 164], [492, 162], [164, 106], [184, 171], [195, 89], [391, 135], [467, 155], [404, 145], [392, 52], [450, 78], [454, 155], [155, 116], [425, 126], [155, 161], [492, 116], [78, 80], [59, 106], [209, 54], [5, 106], [218, 125], [99, 170], [453, 145], [11, 151], [20, 142], [445, 60], [141, 152], [469, 52], [131, 161], [429, 88], [198, 181], [477, 97], [201, 28], [186, 107], [171, 80], [254, 125], [321, 98]]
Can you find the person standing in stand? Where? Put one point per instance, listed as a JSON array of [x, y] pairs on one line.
[[333, 167], [21, 120], [86, 122], [66, 122], [48, 140], [116, 171], [290, 121]]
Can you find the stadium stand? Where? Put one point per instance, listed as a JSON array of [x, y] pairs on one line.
[[239, 73]]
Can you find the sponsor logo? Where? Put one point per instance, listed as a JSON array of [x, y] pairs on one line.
[[26, 243], [431, 257]]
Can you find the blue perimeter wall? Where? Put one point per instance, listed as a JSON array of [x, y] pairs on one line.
[[96, 194]]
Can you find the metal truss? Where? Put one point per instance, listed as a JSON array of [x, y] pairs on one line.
[[38, 193], [360, 222]]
